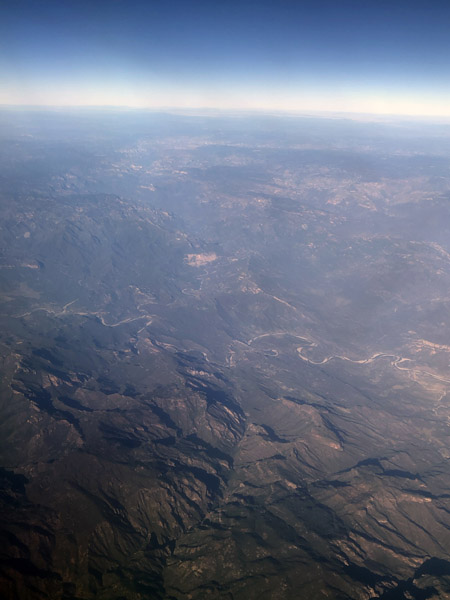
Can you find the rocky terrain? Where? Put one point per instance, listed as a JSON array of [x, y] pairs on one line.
[[225, 358]]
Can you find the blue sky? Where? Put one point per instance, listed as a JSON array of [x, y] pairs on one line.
[[357, 56]]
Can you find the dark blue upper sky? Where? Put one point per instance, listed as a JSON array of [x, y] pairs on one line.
[[350, 55]]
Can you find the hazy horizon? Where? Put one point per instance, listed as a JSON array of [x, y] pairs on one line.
[[271, 56]]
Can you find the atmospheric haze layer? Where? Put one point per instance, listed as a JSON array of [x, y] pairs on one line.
[[286, 55]]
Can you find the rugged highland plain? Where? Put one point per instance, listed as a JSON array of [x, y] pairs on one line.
[[225, 356]]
